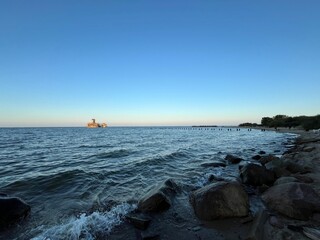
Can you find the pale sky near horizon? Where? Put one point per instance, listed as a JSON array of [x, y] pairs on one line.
[[157, 62]]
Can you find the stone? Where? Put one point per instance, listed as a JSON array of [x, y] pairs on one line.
[[265, 159], [308, 149], [138, 221], [256, 175], [262, 152], [214, 164], [294, 200], [283, 180], [12, 210], [303, 178], [312, 233], [256, 157], [220, 200], [277, 166], [256, 231], [276, 222], [295, 167], [215, 178], [158, 198], [233, 159]]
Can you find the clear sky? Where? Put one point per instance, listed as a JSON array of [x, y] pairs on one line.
[[160, 62]]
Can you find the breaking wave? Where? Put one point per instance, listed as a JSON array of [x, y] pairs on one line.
[[88, 226]]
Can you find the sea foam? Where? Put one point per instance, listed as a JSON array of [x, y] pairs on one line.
[[88, 226]]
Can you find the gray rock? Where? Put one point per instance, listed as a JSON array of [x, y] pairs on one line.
[[278, 167], [283, 180], [158, 198], [138, 221], [233, 159], [295, 200], [294, 167], [303, 178], [256, 175], [214, 164], [308, 149], [276, 222], [265, 159], [220, 200], [256, 157], [256, 231], [12, 210]]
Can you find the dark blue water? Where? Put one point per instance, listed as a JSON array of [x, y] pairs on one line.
[[80, 182]]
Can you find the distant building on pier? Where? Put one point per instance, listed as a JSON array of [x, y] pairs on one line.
[[93, 124]]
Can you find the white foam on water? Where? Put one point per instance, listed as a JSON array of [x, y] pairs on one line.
[[204, 179], [87, 226]]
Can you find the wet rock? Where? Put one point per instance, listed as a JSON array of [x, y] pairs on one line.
[[283, 180], [158, 199], [233, 159], [256, 231], [295, 167], [262, 152], [148, 236], [256, 157], [295, 200], [196, 229], [277, 166], [12, 210], [276, 222], [256, 175], [265, 159], [215, 178], [246, 219], [263, 188], [308, 149], [220, 200], [139, 222], [214, 164], [312, 233], [303, 178], [295, 228]]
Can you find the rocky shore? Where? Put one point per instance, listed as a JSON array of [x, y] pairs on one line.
[[272, 198]]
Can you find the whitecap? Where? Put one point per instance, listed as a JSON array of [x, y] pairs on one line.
[[87, 226]]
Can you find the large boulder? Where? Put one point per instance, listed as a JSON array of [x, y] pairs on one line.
[[295, 200], [233, 159], [12, 210], [256, 175], [284, 180], [265, 159], [158, 198], [278, 167], [220, 200]]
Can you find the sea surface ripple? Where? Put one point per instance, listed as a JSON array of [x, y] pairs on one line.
[[79, 181]]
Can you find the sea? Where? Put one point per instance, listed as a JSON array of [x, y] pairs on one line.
[[81, 183]]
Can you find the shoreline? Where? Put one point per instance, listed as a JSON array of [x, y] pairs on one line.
[[180, 221], [264, 220]]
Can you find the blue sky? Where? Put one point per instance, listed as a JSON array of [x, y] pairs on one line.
[[157, 62]]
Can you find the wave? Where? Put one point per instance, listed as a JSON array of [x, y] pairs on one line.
[[95, 146], [176, 155], [47, 182], [163, 159], [88, 226], [113, 154]]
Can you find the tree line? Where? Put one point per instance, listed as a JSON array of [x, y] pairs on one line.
[[306, 122]]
